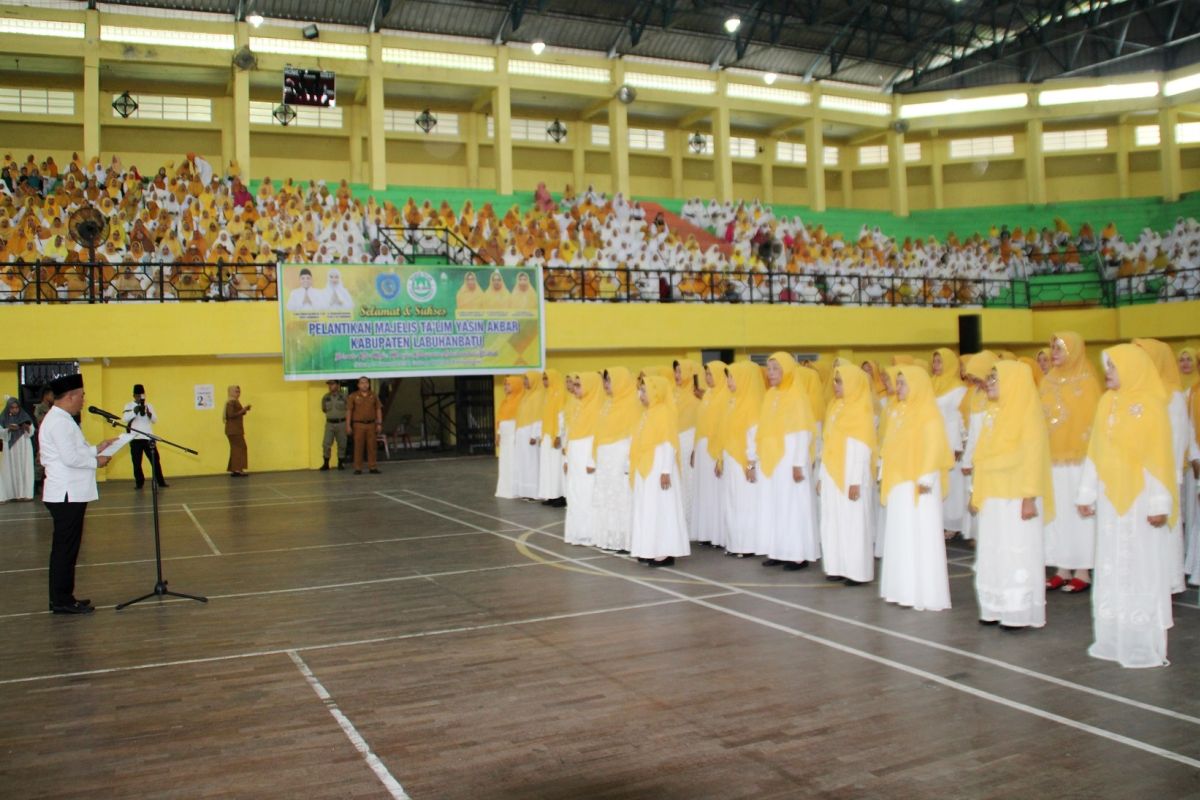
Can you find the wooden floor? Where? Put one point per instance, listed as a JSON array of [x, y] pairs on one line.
[[407, 634]]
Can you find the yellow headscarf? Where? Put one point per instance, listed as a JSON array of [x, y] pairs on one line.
[[530, 409], [979, 366], [553, 404], [923, 364], [515, 384], [586, 419], [712, 409], [1132, 433], [621, 412], [657, 425], [744, 411], [469, 297], [523, 299], [901, 360], [1034, 370], [852, 416], [893, 405], [785, 409], [1006, 355], [1194, 413], [1165, 362], [1189, 379], [495, 298], [1069, 396], [810, 379], [949, 380], [687, 405], [915, 444], [1012, 459]]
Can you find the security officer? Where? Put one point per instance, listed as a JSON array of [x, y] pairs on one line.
[[365, 423], [333, 404]]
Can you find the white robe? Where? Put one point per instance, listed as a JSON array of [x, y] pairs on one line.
[[658, 526], [954, 507], [16, 474], [1131, 594], [914, 571], [787, 523], [1177, 410], [739, 501], [550, 467], [708, 521], [687, 474], [506, 480], [1010, 578], [527, 459], [974, 427], [612, 497], [847, 525], [579, 485], [1190, 510], [1070, 539]]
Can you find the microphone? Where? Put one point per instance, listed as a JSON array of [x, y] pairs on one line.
[[100, 412]]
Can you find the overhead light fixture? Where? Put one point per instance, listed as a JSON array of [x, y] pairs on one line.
[[697, 143], [125, 105], [310, 32], [964, 105], [1181, 85], [556, 131], [284, 114], [426, 121], [1098, 94], [769, 78], [255, 19], [733, 23], [537, 47]]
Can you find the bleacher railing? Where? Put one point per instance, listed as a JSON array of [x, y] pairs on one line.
[[414, 243], [159, 282]]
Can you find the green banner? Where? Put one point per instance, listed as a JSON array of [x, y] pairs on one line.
[[386, 320]]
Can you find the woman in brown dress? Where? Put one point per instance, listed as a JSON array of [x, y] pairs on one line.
[[234, 412]]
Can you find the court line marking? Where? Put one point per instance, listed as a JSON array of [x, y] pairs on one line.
[[199, 505], [360, 744], [200, 528], [336, 645], [924, 674], [1024, 671]]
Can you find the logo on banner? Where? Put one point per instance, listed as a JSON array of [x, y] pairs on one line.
[[388, 285], [422, 287]]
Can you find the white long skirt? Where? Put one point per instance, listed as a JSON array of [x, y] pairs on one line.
[[1009, 572], [579, 486], [787, 522], [1070, 538], [846, 525], [1189, 506], [528, 459], [970, 523], [506, 480], [914, 571], [880, 519], [740, 499], [707, 523], [550, 470], [954, 507], [16, 477], [612, 498], [658, 526], [687, 474]]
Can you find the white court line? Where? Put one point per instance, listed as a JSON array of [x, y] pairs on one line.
[[924, 674], [336, 645], [200, 528], [1029, 673], [360, 744], [284, 495], [199, 505]]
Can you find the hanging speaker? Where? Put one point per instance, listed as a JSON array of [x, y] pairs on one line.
[[970, 334]]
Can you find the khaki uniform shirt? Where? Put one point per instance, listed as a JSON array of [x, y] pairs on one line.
[[335, 405]]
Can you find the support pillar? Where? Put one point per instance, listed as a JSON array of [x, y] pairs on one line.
[[91, 84], [1168, 149], [241, 106], [473, 123], [376, 136], [814, 147], [897, 174], [1035, 164]]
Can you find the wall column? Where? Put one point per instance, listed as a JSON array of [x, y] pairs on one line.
[[502, 156], [1124, 134], [1035, 164], [472, 123], [223, 113], [937, 172], [1168, 153], [766, 159], [722, 158], [354, 128], [578, 140], [241, 105], [376, 136], [847, 178], [91, 84], [676, 145], [897, 174], [618, 145], [814, 151]]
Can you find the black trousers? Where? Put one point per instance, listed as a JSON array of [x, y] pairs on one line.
[[68, 534], [136, 448]]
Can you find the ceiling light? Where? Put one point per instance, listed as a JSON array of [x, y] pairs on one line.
[[125, 105], [254, 19], [964, 105], [426, 121], [556, 131], [537, 47], [1098, 94], [733, 23], [1181, 85], [697, 143], [284, 114], [769, 78]]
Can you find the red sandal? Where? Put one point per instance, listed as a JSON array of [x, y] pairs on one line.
[[1075, 586], [1056, 582]]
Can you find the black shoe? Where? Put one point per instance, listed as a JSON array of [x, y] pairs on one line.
[[832, 578], [558, 502], [1012, 628], [84, 602], [772, 562], [138, 485], [669, 561], [792, 566], [70, 608], [644, 560], [623, 553], [341, 465], [376, 472], [547, 502], [852, 582], [358, 472], [324, 467], [989, 622]]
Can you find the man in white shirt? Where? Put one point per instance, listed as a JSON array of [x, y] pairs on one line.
[[305, 297], [70, 464], [140, 417]]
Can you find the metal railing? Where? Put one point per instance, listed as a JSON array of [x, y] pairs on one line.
[[432, 242], [127, 282]]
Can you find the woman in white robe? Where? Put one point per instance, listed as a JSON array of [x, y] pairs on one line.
[[739, 459], [847, 479], [16, 476], [658, 529], [1012, 495], [529, 435], [580, 468], [708, 526], [550, 451], [950, 390], [1191, 486], [915, 460], [686, 390], [889, 409], [1129, 484], [612, 497], [506, 437], [787, 524], [976, 370]]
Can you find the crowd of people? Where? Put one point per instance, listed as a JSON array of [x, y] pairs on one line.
[[190, 231], [1050, 470]]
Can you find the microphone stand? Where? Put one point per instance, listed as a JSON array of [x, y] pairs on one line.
[[160, 586]]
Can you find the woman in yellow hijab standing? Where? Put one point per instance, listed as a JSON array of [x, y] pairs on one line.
[[684, 384], [1129, 484], [658, 529], [976, 370], [612, 497], [550, 451], [787, 523], [580, 469], [949, 389], [915, 462], [1070, 393], [1012, 495], [707, 521], [529, 435], [889, 410], [506, 437], [739, 459], [847, 478], [1190, 499]]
